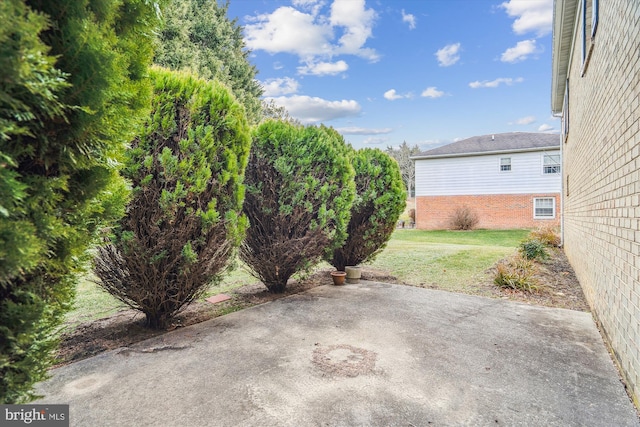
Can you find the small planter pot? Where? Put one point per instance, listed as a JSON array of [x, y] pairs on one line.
[[338, 277], [353, 274]]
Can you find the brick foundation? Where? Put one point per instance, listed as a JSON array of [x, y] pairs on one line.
[[497, 211]]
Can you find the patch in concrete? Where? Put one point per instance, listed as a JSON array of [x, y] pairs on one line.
[[87, 384], [343, 360]]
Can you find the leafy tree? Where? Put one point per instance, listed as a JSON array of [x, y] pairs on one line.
[[380, 199], [273, 111], [299, 193], [197, 35], [184, 220], [72, 89], [407, 166]]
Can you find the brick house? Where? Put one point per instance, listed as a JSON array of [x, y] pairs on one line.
[[510, 180], [596, 89]]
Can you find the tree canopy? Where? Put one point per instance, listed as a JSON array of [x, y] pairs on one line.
[[197, 35], [403, 155]]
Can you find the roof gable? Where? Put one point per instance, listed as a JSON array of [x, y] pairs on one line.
[[496, 143]]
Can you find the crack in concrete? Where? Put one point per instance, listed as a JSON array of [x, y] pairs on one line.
[[128, 351]]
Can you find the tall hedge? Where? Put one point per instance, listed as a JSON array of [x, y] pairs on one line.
[[197, 35], [72, 89], [299, 193], [184, 220], [380, 199]]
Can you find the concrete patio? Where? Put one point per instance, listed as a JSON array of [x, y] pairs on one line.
[[369, 354]]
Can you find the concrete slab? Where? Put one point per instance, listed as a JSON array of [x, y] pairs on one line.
[[370, 354]]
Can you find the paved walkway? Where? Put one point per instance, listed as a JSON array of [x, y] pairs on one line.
[[359, 355]]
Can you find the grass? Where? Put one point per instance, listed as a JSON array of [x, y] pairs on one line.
[[449, 260], [92, 302]]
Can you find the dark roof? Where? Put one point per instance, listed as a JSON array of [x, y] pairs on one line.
[[496, 143]]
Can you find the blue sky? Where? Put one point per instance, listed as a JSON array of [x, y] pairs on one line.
[[428, 72]]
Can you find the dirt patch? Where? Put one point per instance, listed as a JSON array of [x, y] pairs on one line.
[[344, 360], [127, 326], [560, 288]]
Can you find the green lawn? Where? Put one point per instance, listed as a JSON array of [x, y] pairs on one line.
[[450, 260]]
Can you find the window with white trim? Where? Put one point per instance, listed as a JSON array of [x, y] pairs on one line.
[[544, 208], [505, 164], [551, 163]]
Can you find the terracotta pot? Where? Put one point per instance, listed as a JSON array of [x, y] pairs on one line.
[[353, 273], [338, 277]]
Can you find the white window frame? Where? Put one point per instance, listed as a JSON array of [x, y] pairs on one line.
[[537, 200], [505, 167], [551, 168]]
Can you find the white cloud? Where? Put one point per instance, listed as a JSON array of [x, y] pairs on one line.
[[311, 34], [358, 25], [448, 55], [277, 87], [495, 83], [363, 131], [409, 19], [432, 92], [520, 51], [375, 141], [526, 120], [392, 95], [288, 30], [315, 110], [545, 128], [531, 16], [323, 68]]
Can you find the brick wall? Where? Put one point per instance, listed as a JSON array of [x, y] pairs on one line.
[[494, 211], [601, 172]]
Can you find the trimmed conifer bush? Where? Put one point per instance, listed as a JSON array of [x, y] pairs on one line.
[[299, 193], [184, 220], [380, 199], [72, 91]]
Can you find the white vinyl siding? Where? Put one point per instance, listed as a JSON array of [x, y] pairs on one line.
[[479, 175]]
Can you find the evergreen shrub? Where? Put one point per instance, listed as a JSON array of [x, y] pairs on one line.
[[184, 221], [380, 199], [73, 88], [299, 192]]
